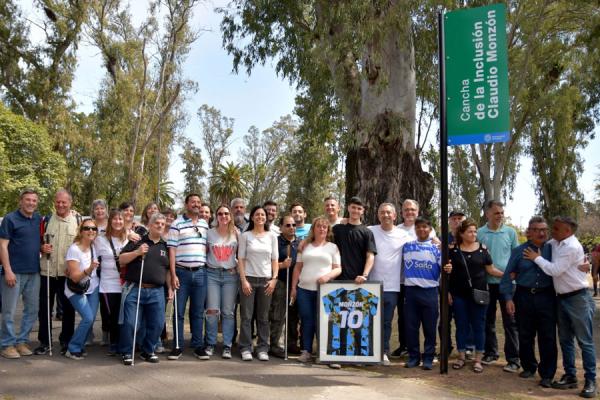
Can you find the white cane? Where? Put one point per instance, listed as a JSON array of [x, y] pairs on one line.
[[47, 240], [137, 310], [287, 286], [176, 319]]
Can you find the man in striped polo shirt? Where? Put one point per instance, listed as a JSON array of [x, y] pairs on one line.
[[187, 263]]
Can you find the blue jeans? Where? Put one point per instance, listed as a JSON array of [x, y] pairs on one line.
[[192, 285], [575, 318], [222, 291], [390, 301], [469, 316], [87, 306], [152, 312], [307, 308], [27, 286]]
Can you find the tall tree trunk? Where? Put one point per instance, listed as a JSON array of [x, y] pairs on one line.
[[383, 164]]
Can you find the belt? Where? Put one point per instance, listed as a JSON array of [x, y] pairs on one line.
[[535, 290], [146, 285], [570, 294], [192, 269]]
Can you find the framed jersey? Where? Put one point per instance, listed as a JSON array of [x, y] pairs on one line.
[[350, 322]]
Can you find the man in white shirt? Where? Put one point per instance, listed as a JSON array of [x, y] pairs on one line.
[[575, 304], [389, 240]]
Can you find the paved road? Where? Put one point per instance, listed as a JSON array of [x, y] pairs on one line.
[[102, 377]]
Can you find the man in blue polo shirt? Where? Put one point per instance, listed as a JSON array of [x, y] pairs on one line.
[[500, 239], [20, 246]]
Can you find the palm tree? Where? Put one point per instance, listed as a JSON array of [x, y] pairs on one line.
[[227, 183], [166, 195]]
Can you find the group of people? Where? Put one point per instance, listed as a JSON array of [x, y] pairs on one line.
[[271, 267]]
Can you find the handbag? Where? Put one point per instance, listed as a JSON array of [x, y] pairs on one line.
[[83, 285], [481, 297]]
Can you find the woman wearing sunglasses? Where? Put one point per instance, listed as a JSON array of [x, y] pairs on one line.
[[82, 290], [223, 280]]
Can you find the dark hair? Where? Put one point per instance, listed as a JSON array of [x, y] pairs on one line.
[[491, 203], [283, 217], [537, 219], [187, 198], [251, 222], [168, 210], [567, 220], [27, 191], [269, 203], [145, 218], [109, 230], [463, 228], [126, 204], [356, 200], [422, 220], [296, 204]]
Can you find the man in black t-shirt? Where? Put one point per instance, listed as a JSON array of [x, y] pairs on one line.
[[356, 244], [153, 250]]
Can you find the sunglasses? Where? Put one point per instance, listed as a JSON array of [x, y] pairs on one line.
[[198, 231], [290, 225], [222, 214], [89, 228]]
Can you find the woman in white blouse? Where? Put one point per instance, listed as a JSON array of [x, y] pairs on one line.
[[318, 262], [82, 291], [108, 248]]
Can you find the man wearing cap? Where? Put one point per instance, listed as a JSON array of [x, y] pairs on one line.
[[455, 218], [575, 304]]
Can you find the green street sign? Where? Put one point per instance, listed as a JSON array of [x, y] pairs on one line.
[[476, 70]]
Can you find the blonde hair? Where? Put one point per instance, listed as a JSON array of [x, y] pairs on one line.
[[231, 229], [78, 237], [311, 234]]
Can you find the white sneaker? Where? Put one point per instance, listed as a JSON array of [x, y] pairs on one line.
[[263, 356], [386, 360], [210, 350], [304, 356], [246, 356]]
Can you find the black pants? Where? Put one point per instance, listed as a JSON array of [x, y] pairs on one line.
[[536, 315], [57, 289], [110, 306], [511, 338], [401, 329]]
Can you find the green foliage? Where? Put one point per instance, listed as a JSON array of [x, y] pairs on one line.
[[228, 183], [193, 171], [265, 157], [27, 161]]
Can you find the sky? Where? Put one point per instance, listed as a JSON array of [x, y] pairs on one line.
[[261, 99]]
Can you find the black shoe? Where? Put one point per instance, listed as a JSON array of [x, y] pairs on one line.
[[277, 352], [127, 359], [174, 354], [487, 360], [41, 350], [565, 382], [63, 349], [399, 352], [200, 354], [293, 349], [526, 374], [589, 389], [546, 383], [149, 357]]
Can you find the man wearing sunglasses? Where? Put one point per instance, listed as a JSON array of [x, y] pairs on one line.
[[187, 264], [288, 249], [20, 246]]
